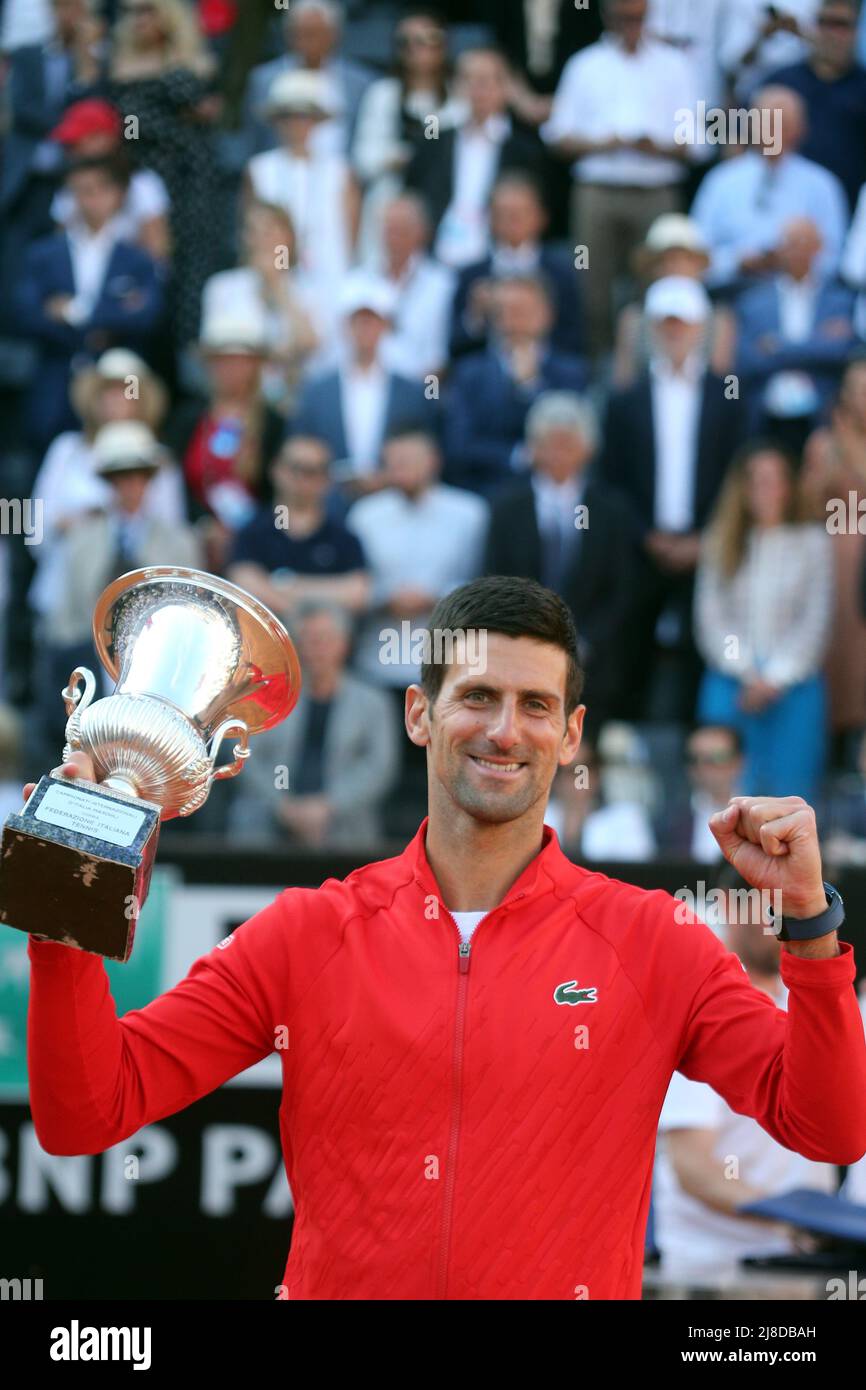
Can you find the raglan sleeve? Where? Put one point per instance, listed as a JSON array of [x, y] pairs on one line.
[[95, 1079], [800, 1072]]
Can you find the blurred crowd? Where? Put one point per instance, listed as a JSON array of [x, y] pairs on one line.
[[353, 303]]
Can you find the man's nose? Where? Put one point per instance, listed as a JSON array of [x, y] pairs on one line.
[[504, 727]]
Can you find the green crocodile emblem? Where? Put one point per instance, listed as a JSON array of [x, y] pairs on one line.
[[569, 994]]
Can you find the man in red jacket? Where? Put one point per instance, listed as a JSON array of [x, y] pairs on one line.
[[477, 1035]]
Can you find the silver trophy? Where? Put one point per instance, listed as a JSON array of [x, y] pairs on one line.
[[195, 661]]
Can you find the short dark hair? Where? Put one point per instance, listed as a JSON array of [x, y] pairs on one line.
[[515, 608], [114, 166], [714, 726]]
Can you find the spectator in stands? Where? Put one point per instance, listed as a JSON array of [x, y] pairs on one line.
[[757, 38], [744, 203], [833, 85], [314, 184], [538, 41], [763, 610], [794, 320], [321, 778], [125, 536], [93, 129], [598, 808], [161, 76], [489, 393], [84, 290], [293, 552], [853, 264], [11, 760], [696, 1191], [567, 531], [275, 290], [313, 32], [614, 115], [668, 442], [843, 816], [396, 111], [674, 245], [424, 290], [120, 386], [518, 221], [43, 79], [421, 539], [714, 764], [226, 442], [456, 172], [359, 404], [834, 473]]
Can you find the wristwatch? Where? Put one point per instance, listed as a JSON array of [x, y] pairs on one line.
[[810, 928]]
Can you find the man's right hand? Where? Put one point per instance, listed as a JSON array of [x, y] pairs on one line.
[[78, 765]]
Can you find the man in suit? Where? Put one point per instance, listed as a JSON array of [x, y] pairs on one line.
[[339, 754], [570, 533], [489, 393], [518, 220], [668, 442], [313, 34], [799, 320], [82, 291], [454, 170], [358, 405]]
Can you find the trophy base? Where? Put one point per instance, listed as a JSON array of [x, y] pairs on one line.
[[75, 865]]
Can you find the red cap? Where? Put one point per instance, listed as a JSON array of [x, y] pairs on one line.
[[92, 117]]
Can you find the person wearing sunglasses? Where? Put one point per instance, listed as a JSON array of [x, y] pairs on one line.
[[832, 84], [713, 769]]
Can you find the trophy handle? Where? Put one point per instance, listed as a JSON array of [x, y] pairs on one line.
[[75, 699], [241, 750]]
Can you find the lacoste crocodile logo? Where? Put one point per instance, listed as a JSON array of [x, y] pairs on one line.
[[570, 994]]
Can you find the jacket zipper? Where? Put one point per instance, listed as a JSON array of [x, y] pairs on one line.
[[463, 957], [464, 952]]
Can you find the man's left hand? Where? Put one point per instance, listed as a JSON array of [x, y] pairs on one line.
[[773, 842]]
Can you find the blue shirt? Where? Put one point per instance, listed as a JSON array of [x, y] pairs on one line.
[[744, 203], [332, 549], [836, 136]]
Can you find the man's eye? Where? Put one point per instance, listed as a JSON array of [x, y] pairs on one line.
[[482, 694]]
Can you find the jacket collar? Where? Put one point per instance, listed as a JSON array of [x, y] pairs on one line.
[[545, 866]]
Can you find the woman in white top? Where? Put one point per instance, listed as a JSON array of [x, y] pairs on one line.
[[271, 287], [315, 186], [396, 109], [763, 610], [120, 386]]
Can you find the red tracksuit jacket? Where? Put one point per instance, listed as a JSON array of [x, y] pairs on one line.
[[460, 1122]]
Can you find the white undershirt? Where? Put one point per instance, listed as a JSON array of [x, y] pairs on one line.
[[676, 401], [468, 921]]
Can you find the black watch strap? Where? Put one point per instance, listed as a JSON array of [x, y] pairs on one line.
[[809, 928]]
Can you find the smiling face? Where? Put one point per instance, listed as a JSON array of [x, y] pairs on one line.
[[496, 740]]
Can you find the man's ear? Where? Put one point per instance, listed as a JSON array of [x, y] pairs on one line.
[[572, 736], [417, 714]]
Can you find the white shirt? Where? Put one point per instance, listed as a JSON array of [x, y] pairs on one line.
[[605, 91], [364, 396], [467, 921], [704, 847], [464, 230], [853, 264], [618, 832], [691, 1234], [313, 191], [743, 204], [797, 302], [676, 405], [434, 542], [146, 198], [25, 22], [418, 343], [90, 253]]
